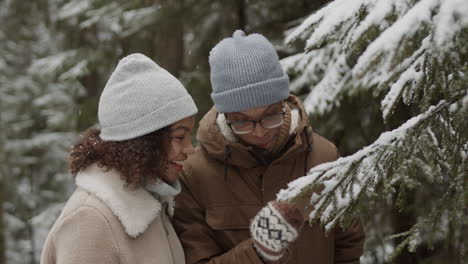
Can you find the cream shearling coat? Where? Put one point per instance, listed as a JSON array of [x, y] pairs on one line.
[[103, 222]]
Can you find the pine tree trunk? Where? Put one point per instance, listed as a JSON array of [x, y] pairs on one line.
[[242, 19], [30, 231], [169, 48], [2, 236], [168, 40], [2, 175]]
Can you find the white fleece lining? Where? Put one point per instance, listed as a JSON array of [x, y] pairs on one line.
[[229, 135], [294, 120], [224, 128], [135, 209]]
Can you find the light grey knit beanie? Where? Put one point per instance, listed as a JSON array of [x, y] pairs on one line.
[[246, 73], [139, 98]]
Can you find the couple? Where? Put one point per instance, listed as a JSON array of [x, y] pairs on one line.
[[254, 141]]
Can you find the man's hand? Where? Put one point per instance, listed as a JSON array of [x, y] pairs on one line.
[[274, 227]]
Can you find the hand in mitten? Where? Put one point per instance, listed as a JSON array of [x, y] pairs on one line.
[[274, 227]]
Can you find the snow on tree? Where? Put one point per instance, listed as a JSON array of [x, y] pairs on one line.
[[407, 54], [49, 57], [38, 120]]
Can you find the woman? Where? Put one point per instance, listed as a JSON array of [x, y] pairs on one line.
[[127, 172]]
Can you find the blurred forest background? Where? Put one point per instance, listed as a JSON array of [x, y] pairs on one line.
[[56, 55]]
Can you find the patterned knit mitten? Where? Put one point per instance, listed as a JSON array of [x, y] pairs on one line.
[[274, 227]]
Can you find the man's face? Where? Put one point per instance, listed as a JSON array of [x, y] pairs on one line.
[[260, 137]]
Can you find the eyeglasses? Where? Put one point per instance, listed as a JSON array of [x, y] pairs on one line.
[[268, 122]]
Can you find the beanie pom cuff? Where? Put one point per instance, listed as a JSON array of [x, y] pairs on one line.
[[157, 119], [251, 96]]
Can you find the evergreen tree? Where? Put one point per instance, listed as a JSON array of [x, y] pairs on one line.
[[391, 77], [38, 110], [2, 231], [55, 57], [2, 157]]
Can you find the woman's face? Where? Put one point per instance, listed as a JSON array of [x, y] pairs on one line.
[[179, 148]]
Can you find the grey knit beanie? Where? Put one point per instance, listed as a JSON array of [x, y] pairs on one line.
[[139, 98], [246, 73]]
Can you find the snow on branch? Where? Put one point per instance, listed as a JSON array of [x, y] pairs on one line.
[[121, 20], [134, 20], [389, 47], [41, 140], [73, 8], [390, 40], [51, 65], [78, 70], [323, 23], [380, 167]]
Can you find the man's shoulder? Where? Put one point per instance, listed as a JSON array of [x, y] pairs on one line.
[[200, 166], [322, 142], [323, 148]]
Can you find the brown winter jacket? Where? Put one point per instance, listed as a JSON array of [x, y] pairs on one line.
[[224, 186]]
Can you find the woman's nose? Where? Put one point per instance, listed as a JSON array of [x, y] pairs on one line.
[[189, 149]]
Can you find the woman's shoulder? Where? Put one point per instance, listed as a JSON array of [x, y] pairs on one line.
[[84, 226], [83, 204], [87, 213]]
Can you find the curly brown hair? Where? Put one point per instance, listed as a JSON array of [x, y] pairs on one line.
[[139, 160]]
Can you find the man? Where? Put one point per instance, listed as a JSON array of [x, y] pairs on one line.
[[255, 140]]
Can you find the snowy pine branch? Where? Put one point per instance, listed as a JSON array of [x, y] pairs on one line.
[[424, 142], [411, 57], [394, 48]]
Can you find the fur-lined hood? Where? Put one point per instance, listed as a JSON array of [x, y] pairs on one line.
[[135, 209], [214, 135]]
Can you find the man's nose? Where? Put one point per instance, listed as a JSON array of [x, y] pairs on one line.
[[259, 131]]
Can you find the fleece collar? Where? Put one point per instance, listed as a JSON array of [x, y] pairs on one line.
[[135, 209]]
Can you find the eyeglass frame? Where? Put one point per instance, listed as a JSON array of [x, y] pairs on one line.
[[282, 113]]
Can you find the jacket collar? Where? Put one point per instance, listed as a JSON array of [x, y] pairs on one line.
[[135, 209]]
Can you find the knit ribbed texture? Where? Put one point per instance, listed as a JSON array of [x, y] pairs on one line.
[[283, 133], [246, 73], [162, 188], [274, 227], [139, 98]]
